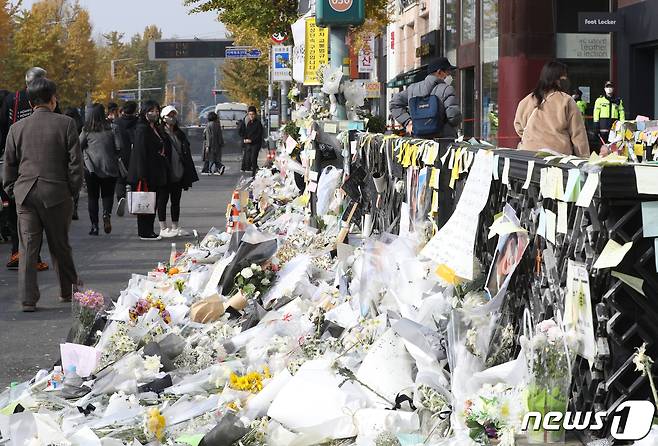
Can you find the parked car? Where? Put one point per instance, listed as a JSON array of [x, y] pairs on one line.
[[203, 116], [230, 113]]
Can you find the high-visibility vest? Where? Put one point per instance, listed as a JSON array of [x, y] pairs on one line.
[[582, 106], [607, 109]]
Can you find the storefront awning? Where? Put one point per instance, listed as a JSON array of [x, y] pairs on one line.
[[408, 78]]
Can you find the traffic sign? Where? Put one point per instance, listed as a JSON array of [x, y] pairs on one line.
[[279, 38], [188, 49], [237, 52], [340, 5], [340, 12], [126, 96]]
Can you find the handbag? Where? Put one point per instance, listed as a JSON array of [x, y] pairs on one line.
[[123, 172], [141, 201]]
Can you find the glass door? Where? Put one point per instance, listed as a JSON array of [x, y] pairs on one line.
[[468, 101]]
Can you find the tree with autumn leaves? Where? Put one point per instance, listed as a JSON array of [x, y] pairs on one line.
[[57, 35], [253, 23]]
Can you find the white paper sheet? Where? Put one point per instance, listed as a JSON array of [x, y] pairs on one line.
[[216, 276], [505, 178], [453, 245], [551, 224], [562, 217], [578, 309], [589, 189], [647, 179], [528, 178], [572, 191], [84, 358], [612, 255]]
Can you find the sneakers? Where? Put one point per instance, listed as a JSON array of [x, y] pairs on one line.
[[121, 207], [13, 262], [181, 232], [222, 169], [93, 230], [151, 237], [206, 173], [168, 233], [107, 224], [29, 308]]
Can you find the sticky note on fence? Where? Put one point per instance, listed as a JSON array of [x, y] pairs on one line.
[[647, 180], [572, 191], [589, 189], [562, 217], [612, 255], [528, 177], [650, 218]]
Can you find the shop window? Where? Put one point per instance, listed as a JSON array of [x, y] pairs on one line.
[[489, 72], [451, 29], [468, 20]]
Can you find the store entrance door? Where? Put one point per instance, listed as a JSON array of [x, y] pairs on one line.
[[468, 101], [644, 81]]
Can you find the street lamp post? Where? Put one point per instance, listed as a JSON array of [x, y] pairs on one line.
[[112, 70], [139, 85]]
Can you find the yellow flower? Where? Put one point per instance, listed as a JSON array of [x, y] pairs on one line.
[[155, 423], [448, 274]]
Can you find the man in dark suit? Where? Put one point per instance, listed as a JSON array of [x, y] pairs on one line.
[[43, 171]]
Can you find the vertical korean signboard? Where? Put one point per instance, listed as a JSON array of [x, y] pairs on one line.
[[316, 52], [281, 63], [367, 57]]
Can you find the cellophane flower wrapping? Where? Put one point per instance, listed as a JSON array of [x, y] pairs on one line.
[[87, 306]]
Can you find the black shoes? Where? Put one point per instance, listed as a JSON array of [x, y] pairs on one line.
[[94, 230], [107, 224]]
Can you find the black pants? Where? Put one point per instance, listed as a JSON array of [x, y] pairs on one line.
[[250, 158], [98, 187], [208, 166], [173, 191], [145, 225]]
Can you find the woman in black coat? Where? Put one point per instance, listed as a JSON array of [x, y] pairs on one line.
[[148, 162], [182, 174]]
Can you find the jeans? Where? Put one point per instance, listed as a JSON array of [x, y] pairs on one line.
[[208, 166], [175, 191], [98, 187]]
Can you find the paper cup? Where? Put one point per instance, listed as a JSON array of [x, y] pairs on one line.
[[237, 301], [381, 183]]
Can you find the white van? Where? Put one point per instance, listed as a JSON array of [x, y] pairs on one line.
[[230, 113]]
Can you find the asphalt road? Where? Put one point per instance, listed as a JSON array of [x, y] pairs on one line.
[[30, 341]]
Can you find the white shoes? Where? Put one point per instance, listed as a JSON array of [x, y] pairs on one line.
[[171, 232], [168, 233]]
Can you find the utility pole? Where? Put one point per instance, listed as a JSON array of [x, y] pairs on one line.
[[284, 104], [338, 53], [215, 84], [139, 85]]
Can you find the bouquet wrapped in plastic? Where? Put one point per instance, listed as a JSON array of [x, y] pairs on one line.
[[87, 307]]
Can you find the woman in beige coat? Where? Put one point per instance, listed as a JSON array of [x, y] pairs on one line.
[[548, 118]]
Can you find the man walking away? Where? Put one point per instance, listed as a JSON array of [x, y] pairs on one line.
[[251, 132], [14, 108], [43, 171], [213, 142], [429, 108], [607, 109], [125, 125]]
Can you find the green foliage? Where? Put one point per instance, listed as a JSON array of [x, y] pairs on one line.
[[263, 17]]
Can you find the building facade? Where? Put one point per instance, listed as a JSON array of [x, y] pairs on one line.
[[499, 47]]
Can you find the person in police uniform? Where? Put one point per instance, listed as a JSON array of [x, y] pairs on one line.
[[580, 103], [607, 109]]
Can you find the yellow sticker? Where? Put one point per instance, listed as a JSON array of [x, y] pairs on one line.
[[639, 149], [434, 178], [629, 135], [435, 202]]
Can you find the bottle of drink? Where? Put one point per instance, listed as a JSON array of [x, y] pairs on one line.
[[172, 256], [13, 391], [57, 378], [71, 377]]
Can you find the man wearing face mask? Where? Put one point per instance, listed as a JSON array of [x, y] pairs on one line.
[[444, 114], [607, 109]]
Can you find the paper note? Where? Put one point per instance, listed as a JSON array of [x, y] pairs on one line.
[[551, 223], [504, 227], [548, 159], [566, 159], [542, 181], [634, 282], [586, 195], [312, 186], [84, 358], [313, 175], [313, 135], [572, 191], [528, 177], [578, 309], [638, 149], [578, 162], [541, 226], [647, 179], [404, 219], [453, 245], [612, 254], [435, 202], [330, 127], [495, 167], [216, 276], [562, 217], [434, 178], [650, 218], [505, 178], [433, 152], [291, 144]]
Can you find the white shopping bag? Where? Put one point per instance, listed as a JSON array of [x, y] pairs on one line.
[[140, 203]]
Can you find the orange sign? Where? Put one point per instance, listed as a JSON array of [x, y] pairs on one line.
[[340, 5]]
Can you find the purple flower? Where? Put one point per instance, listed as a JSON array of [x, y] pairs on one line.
[[491, 431]]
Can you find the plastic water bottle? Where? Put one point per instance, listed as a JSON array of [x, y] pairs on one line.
[[172, 256], [57, 378], [71, 377], [13, 391]]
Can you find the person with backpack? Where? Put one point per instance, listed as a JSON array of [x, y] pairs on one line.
[[429, 108], [182, 173], [125, 125], [99, 144], [16, 107]]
